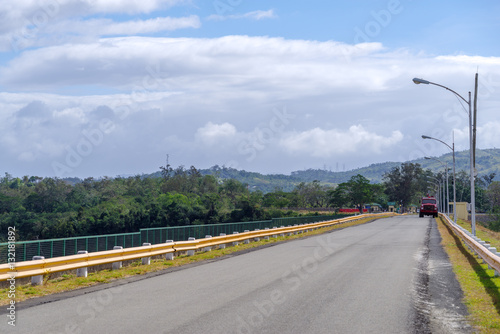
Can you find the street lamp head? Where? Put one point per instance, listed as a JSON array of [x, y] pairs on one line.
[[428, 158], [420, 81], [426, 137]]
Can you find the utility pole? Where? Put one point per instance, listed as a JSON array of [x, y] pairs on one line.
[[474, 124]]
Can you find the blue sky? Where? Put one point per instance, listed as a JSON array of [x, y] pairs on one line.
[[105, 88]]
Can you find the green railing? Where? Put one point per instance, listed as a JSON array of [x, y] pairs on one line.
[[25, 250]]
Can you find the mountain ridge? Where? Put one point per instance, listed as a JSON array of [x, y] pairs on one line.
[[487, 162]]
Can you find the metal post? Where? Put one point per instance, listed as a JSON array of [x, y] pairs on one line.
[[444, 196], [454, 185], [472, 188], [471, 142], [447, 194]]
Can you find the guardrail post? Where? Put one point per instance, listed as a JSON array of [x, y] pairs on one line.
[[275, 235], [472, 249], [222, 246], [282, 234], [246, 241], [486, 245], [496, 272], [82, 272], [146, 260], [257, 238], [266, 237], [169, 256], [296, 232], [481, 242], [494, 251], [208, 248], [38, 279], [289, 233], [235, 243], [191, 251], [117, 265]]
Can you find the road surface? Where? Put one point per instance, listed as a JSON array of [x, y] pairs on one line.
[[387, 276]]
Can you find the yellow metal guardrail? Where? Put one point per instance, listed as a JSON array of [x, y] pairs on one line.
[[474, 243], [57, 264]]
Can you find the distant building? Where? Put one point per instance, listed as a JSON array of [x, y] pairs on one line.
[[373, 207]]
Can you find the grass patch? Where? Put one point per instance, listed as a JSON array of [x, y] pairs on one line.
[[480, 286], [482, 232], [71, 282]]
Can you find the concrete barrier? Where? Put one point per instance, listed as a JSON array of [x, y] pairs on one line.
[[169, 256], [222, 246], [191, 251], [38, 279], [257, 238], [208, 248], [146, 260], [118, 264], [82, 272]]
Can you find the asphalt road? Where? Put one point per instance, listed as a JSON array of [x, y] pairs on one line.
[[388, 276]]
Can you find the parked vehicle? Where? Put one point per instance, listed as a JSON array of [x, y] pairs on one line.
[[428, 207]]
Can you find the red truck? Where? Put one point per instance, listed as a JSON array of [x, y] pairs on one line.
[[428, 207]]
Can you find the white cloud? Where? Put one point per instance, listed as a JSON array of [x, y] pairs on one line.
[[37, 11], [488, 135], [106, 27], [228, 61], [470, 60], [227, 87], [29, 23], [255, 15], [211, 133], [130, 6], [327, 143]]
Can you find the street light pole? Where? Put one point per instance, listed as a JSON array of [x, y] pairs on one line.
[[452, 148], [471, 149], [472, 174], [447, 196]]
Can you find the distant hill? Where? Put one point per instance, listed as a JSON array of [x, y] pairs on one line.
[[487, 161]]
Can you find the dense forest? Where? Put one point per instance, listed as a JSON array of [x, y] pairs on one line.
[[43, 208]]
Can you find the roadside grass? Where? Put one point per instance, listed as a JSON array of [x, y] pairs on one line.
[[68, 282], [482, 232], [480, 286]]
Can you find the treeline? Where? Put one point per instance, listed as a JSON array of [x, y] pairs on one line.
[[44, 208]]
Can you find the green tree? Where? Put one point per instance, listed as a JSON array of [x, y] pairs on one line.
[[406, 183], [338, 197], [360, 191], [356, 192]]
